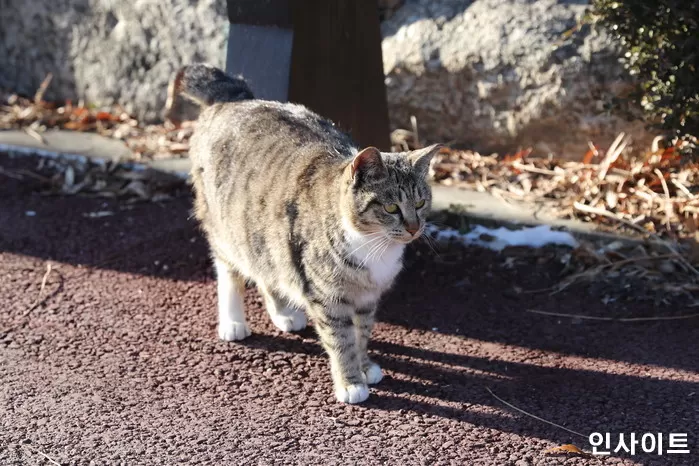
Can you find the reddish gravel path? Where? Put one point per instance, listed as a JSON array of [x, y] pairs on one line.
[[121, 365]]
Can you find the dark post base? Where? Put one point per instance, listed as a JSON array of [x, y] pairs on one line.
[[262, 54]]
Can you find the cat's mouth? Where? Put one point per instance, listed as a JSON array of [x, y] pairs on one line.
[[406, 237]]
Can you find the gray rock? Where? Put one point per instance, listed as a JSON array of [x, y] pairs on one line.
[[107, 51], [501, 74]]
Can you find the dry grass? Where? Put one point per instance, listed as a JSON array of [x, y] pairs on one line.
[[145, 141], [655, 194]]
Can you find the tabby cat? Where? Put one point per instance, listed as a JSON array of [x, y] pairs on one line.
[[287, 201]]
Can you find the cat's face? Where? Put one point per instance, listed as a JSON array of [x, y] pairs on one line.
[[389, 194]]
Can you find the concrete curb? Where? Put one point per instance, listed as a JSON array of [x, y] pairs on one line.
[[452, 206]]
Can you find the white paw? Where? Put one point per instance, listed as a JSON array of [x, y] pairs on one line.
[[291, 321], [352, 393], [233, 331], [373, 374]]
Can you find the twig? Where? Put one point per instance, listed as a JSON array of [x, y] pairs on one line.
[[614, 319], [683, 188], [36, 450], [668, 202], [31, 174], [572, 279], [10, 174], [639, 259], [530, 168], [35, 134], [499, 194], [606, 213], [413, 123], [572, 316], [613, 153], [539, 290], [609, 265], [39, 300], [533, 416], [656, 238], [39, 95], [644, 319], [592, 147], [41, 290]]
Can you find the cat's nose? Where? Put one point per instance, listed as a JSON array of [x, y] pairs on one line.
[[412, 229]]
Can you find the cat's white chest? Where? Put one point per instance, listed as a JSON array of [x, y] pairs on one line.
[[382, 257]]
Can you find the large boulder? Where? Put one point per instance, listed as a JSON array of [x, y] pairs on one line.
[[108, 51], [503, 74]]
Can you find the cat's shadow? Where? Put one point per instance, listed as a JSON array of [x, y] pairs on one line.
[[465, 390]]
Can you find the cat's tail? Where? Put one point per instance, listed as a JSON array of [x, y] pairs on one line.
[[207, 85]]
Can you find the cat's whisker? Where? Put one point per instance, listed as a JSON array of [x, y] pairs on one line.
[[383, 248], [430, 242], [372, 252], [383, 251], [372, 240]]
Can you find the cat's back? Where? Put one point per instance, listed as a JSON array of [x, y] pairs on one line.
[[266, 130]]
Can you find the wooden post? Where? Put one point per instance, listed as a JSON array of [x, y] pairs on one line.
[[335, 68]]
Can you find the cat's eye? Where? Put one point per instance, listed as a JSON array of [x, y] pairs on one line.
[[391, 208], [420, 204]]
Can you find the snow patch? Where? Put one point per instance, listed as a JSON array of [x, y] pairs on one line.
[[498, 239]]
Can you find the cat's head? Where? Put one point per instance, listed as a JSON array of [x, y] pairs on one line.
[[388, 193]]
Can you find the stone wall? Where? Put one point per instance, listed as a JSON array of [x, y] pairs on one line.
[[108, 50], [493, 74]]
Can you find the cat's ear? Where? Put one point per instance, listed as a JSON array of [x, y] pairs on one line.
[[368, 166], [420, 159]]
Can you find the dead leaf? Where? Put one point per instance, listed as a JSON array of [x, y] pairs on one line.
[[79, 111], [73, 125], [568, 448], [587, 158], [105, 116], [519, 155]]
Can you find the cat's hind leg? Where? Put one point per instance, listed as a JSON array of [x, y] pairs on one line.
[[284, 317], [231, 306]]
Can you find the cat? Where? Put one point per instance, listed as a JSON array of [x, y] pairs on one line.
[[286, 200]]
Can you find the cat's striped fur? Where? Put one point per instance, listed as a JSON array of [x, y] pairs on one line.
[[287, 201]]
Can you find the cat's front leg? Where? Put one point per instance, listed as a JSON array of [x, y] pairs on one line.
[[363, 324], [336, 331]]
